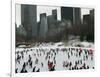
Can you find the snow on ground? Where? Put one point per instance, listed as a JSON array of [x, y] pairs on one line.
[[74, 41], [77, 43], [71, 43], [50, 58]]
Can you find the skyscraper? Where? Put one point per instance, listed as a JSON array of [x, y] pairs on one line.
[[54, 13], [89, 18], [72, 14], [29, 19], [76, 16], [43, 26]]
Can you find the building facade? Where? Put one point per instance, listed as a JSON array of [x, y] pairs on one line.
[[71, 14], [43, 29], [29, 19]]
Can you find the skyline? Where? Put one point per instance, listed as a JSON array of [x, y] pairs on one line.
[[45, 9]]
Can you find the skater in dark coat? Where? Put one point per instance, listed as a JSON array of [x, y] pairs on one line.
[[38, 70], [34, 69], [23, 70], [29, 59], [30, 64], [24, 65], [16, 70], [53, 68], [70, 64], [42, 64], [36, 61]]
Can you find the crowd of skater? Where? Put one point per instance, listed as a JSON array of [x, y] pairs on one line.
[[51, 59]]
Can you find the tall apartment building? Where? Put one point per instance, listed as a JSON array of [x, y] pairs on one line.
[[43, 26], [29, 19], [72, 14]]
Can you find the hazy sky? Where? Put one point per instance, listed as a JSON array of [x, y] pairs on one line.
[[44, 9]]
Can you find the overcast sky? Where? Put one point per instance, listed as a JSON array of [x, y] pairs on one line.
[[44, 9]]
